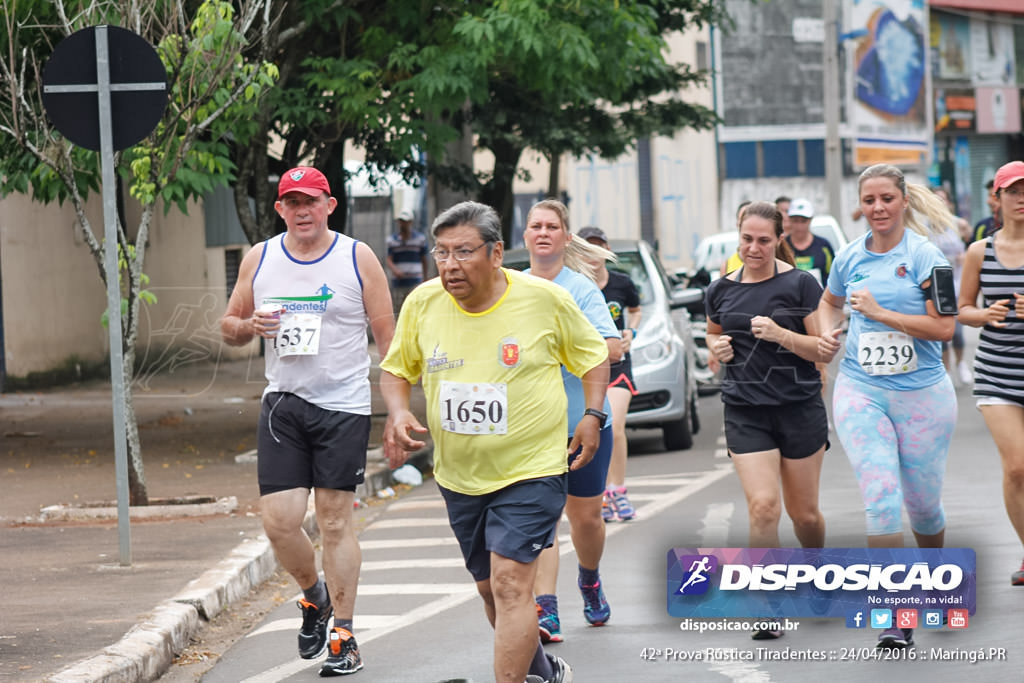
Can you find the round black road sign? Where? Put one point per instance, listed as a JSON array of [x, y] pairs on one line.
[[137, 87]]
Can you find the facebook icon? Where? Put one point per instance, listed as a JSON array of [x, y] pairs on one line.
[[856, 619]]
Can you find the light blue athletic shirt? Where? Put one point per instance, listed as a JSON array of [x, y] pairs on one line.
[[591, 301], [894, 280]]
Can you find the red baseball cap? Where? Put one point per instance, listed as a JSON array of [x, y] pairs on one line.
[[304, 179], [1008, 174]]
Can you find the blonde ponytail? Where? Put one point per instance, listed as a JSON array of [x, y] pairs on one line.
[[926, 204]]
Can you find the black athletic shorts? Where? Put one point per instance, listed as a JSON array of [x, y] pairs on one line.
[[300, 445], [621, 375], [798, 430]]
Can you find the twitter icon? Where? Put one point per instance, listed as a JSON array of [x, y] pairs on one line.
[[881, 618]]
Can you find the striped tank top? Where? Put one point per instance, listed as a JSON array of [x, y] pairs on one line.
[[999, 361]]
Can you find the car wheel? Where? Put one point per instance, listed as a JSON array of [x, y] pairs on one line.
[[677, 435]]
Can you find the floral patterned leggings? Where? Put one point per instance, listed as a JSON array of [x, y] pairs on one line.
[[897, 442]]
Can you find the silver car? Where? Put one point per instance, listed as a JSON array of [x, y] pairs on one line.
[[663, 353]]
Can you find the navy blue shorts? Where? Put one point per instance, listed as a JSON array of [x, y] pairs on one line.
[[516, 522], [590, 480], [798, 430], [300, 445]]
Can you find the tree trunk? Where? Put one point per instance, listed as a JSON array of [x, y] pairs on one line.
[[498, 191], [553, 189]]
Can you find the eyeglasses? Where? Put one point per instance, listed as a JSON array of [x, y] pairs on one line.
[[1014, 192], [441, 255]]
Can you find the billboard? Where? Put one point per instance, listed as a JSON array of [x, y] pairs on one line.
[[889, 67]]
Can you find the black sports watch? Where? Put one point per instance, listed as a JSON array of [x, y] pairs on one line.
[[603, 417]]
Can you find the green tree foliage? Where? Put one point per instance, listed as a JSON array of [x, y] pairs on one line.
[[403, 78], [214, 91]]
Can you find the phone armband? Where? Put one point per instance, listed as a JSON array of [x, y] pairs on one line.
[[943, 290]]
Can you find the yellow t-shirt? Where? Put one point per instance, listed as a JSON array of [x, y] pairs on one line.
[[733, 263], [492, 372]]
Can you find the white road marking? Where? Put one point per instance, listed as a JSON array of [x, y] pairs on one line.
[[429, 542], [714, 528], [721, 452], [418, 504], [408, 523], [371, 627]]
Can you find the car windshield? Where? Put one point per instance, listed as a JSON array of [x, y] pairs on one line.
[[632, 265]]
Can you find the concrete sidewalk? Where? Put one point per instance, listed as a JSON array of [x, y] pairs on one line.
[[68, 610], [148, 649]]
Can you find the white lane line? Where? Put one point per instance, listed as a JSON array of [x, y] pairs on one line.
[[720, 440], [715, 526], [425, 563], [429, 542], [420, 613], [408, 523], [721, 452], [418, 504], [660, 481], [669, 499], [741, 672], [363, 622], [410, 589]]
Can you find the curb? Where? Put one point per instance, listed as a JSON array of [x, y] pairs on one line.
[[147, 651]]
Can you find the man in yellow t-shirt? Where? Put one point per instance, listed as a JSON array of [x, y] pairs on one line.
[[488, 344]]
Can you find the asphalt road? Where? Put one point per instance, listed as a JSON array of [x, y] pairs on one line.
[[418, 617]]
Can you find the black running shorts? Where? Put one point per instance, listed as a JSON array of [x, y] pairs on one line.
[[798, 430], [301, 445]]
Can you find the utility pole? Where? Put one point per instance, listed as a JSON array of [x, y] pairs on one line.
[[833, 145]]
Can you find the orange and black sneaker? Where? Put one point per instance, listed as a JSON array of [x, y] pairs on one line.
[[342, 654], [313, 634]]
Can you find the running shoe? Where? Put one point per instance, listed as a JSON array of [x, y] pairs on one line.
[[766, 634], [595, 607], [313, 634], [608, 513], [343, 657], [622, 505], [964, 370], [550, 627], [563, 674], [895, 638], [1017, 578]]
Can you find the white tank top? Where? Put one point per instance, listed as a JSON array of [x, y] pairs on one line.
[[322, 298]]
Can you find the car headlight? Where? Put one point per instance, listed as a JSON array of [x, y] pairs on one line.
[[655, 343]]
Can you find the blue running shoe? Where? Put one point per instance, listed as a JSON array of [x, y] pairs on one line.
[[550, 627], [622, 505], [595, 607]]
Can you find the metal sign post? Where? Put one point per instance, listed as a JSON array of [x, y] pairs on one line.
[[103, 88]]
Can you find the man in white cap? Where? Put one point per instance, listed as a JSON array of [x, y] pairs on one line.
[[407, 258], [810, 252]]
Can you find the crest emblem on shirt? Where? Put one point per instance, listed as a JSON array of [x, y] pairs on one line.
[[901, 270], [615, 308], [509, 353]]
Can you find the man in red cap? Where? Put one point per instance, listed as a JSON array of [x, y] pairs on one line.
[[309, 293]]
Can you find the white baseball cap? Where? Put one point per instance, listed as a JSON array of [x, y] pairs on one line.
[[801, 207], [406, 215]]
